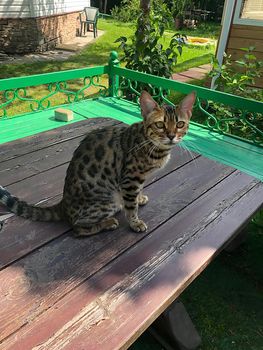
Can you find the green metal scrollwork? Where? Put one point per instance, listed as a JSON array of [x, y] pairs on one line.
[[226, 120], [61, 89], [8, 97], [55, 88], [11, 96], [21, 95], [89, 82], [131, 89]]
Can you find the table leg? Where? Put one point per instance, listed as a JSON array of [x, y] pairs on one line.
[[174, 329], [237, 241]]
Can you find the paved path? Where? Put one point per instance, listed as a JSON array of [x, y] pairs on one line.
[[192, 73], [61, 53]]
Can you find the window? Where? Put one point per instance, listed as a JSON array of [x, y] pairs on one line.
[[249, 12], [252, 9]]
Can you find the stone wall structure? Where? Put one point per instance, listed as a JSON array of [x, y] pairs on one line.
[[21, 35], [38, 25]]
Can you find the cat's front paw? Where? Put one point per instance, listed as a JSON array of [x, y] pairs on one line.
[[143, 199], [138, 226]]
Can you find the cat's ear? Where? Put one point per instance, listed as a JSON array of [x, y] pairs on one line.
[[147, 103], [186, 105]]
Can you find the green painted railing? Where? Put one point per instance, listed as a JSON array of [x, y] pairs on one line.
[[217, 111], [42, 91]]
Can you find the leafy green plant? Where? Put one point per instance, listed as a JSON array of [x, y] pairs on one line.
[[238, 77], [145, 53]]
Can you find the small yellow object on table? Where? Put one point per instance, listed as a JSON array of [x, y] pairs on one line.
[[65, 115]]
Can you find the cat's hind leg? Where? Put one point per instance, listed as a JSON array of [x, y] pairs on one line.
[[85, 228]]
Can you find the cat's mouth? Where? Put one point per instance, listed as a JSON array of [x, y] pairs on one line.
[[171, 142], [166, 142]]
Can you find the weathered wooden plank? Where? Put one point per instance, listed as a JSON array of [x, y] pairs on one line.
[[15, 243], [20, 236], [161, 281], [236, 54], [246, 32], [30, 144], [237, 43], [42, 186], [30, 164], [25, 166], [103, 312], [246, 27], [40, 279]]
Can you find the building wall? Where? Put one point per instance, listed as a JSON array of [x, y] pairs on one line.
[[24, 35], [38, 8], [16, 8], [245, 36], [38, 25]]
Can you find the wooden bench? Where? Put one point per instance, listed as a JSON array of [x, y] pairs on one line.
[[102, 292]]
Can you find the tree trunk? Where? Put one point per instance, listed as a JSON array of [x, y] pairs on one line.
[[105, 6], [145, 6], [100, 6]]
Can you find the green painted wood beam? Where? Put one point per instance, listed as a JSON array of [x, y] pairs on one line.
[[227, 150], [47, 78], [207, 94]]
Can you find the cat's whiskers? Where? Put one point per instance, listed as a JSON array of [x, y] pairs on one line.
[[180, 148], [194, 147], [151, 150], [139, 146], [190, 153]]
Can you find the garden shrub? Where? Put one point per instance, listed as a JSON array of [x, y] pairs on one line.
[[238, 78], [145, 53], [127, 11]]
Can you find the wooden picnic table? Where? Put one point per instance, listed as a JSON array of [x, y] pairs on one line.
[[102, 292]]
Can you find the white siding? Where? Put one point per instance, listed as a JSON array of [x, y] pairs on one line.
[[14, 8], [36, 8]]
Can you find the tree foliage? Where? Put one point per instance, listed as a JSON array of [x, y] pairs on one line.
[[145, 53]]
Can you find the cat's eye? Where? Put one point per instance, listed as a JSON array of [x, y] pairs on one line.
[[180, 124], [159, 125]]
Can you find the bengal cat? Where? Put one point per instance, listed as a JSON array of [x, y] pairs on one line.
[[109, 168]]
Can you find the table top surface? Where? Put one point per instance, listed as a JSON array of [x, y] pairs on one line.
[[102, 292]]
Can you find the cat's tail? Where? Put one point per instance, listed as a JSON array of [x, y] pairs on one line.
[[28, 211]]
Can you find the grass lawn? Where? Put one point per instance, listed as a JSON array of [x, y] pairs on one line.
[[226, 301], [97, 53]]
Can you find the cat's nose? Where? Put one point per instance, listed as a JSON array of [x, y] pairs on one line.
[[171, 136]]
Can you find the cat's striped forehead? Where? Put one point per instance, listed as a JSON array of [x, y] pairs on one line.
[[170, 113]]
